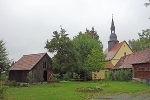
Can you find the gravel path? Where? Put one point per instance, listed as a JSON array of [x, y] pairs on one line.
[[124, 97]]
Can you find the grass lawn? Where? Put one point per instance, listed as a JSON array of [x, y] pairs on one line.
[[66, 90]]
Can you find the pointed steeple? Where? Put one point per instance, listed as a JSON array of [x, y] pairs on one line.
[[112, 25], [113, 37]]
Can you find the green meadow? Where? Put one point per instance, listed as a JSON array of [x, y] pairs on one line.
[[65, 90]]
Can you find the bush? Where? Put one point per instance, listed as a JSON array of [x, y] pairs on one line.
[[67, 76], [2, 91], [12, 83], [119, 75], [41, 80]]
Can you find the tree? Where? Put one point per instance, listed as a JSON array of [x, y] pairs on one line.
[[4, 61], [147, 4], [84, 43], [95, 61], [64, 59], [93, 33], [145, 39], [135, 45], [142, 43]]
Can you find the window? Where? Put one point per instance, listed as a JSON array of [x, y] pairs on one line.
[[113, 32], [44, 65], [124, 53]]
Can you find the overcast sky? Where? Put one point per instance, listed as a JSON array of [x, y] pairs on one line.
[[25, 25]]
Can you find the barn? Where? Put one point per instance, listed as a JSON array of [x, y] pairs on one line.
[[39, 64]]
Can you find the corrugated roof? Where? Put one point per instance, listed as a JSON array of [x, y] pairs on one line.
[[110, 55], [137, 57], [27, 62]]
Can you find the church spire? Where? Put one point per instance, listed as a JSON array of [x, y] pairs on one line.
[[112, 25], [113, 37]]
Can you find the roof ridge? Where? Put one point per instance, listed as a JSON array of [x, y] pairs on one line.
[[138, 52], [34, 54]]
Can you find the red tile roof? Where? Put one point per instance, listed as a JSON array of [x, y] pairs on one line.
[[110, 55], [109, 65], [137, 57], [27, 62]]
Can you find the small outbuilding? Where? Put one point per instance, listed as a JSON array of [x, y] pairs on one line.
[[139, 62], [39, 64], [141, 70]]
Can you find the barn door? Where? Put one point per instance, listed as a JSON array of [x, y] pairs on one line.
[[49, 76], [45, 75]]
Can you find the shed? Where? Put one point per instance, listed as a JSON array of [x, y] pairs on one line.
[[39, 64], [141, 70], [138, 61]]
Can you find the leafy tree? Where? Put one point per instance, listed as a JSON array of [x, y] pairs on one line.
[[145, 39], [95, 61], [93, 33], [4, 61], [65, 57], [147, 4], [135, 45], [142, 43], [84, 43]]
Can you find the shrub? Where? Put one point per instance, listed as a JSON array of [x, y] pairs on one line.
[[128, 75], [55, 78], [41, 80], [119, 75], [30, 77], [122, 75], [12, 83], [2, 91], [67, 76]]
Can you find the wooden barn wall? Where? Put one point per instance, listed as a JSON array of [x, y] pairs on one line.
[[18, 75], [142, 71], [38, 69]]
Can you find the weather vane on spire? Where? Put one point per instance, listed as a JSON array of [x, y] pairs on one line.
[[112, 15]]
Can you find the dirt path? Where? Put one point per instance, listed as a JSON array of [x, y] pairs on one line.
[[124, 97]]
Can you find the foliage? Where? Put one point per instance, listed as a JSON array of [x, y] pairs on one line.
[[67, 76], [41, 80], [30, 77], [142, 43], [66, 90], [84, 44], [95, 61], [119, 75], [65, 55], [55, 79], [145, 39], [12, 83], [89, 89], [4, 61], [135, 45], [93, 33], [2, 91]]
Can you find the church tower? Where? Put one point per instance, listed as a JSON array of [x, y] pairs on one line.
[[113, 37]]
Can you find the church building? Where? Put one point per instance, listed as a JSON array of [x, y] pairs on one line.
[[115, 48], [114, 51]]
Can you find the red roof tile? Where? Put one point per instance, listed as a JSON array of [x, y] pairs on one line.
[[109, 65], [110, 55], [27, 62], [137, 57]]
